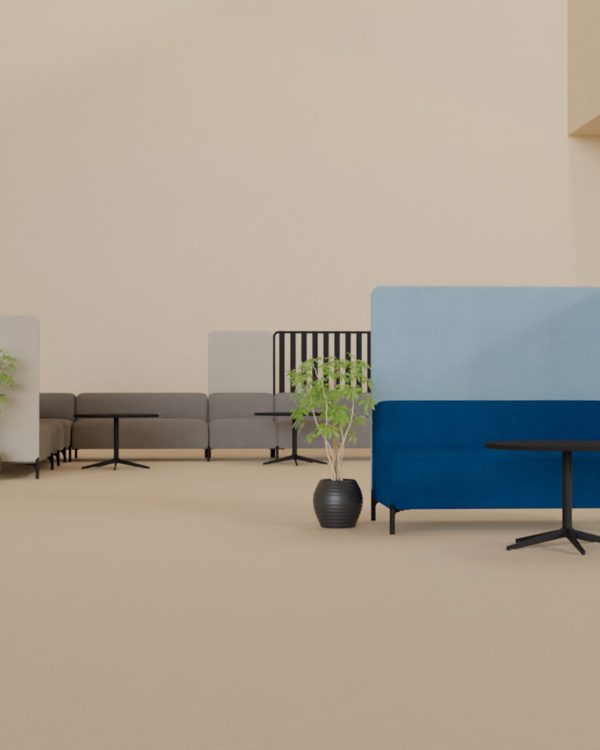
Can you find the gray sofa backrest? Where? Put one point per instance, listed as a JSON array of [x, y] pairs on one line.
[[166, 405], [238, 405], [57, 405], [284, 402]]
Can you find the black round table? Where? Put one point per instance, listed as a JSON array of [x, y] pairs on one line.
[[567, 448], [116, 417]]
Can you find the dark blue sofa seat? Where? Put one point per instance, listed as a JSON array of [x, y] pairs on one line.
[[431, 454]]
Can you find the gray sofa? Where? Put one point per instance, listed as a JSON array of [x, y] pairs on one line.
[[182, 420], [59, 409], [233, 424], [51, 442], [186, 420]]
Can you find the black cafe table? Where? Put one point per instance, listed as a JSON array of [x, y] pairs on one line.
[[294, 456], [567, 448], [116, 417]]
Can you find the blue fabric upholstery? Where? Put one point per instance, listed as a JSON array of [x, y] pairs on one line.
[[431, 454]]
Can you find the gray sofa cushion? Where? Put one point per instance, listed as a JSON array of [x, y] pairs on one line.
[[51, 438], [234, 425], [243, 432], [142, 433], [62, 434], [234, 405], [57, 406], [168, 405]]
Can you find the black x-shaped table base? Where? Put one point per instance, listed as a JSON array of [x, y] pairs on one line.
[[116, 458], [115, 461], [566, 532]]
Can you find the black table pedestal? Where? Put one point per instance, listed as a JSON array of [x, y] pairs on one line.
[[116, 459], [294, 456], [566, 531]]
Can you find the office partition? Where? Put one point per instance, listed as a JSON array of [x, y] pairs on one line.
[[452, 343]]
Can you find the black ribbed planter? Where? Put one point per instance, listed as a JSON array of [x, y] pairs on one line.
[[337, 503]]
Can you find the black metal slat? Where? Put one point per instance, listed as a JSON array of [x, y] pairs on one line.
[[369, 353], [292, 355], [353, 344], [282, 362]]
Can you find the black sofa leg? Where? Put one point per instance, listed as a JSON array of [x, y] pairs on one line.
[[64, 452], [76, 453], [393, 512], [36, 466], [58, 458], [272, 452], [51, 459], [207, 454], [70, 454], [373, 509]]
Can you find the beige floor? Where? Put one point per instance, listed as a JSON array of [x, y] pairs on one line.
[[199, 606]]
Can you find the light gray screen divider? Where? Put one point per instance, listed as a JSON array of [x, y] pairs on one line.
[[474, 343], [240, 361], [20, 418]]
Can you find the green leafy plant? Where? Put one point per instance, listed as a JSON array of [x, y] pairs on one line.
[[8, 365], [330, 393]]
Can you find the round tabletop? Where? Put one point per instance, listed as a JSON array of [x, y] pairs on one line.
[[563, 446]]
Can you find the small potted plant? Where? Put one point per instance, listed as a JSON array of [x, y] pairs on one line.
[[8, 365], [331, 397], [7, 368]]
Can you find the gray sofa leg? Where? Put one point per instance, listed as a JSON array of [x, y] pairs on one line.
[[393, 512], [207, 454]]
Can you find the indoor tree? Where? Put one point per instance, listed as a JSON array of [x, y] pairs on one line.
[[8, 365], [333, 396]]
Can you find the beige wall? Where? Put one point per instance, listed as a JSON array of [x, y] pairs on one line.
[[171, 168], [584, 67]]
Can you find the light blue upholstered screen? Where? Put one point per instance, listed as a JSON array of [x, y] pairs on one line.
[[486, 343]]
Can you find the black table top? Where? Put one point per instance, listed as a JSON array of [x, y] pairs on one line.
[[545, 445], [115, 415]]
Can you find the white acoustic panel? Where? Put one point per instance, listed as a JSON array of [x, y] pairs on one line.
[[240, 362], [20, 418]]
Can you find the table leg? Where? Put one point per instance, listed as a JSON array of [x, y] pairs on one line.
[[566, 531], [116, 459], [295, 456]]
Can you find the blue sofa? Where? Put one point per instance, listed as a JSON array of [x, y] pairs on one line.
[[431, 454]]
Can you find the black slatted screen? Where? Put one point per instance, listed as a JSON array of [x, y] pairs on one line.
[[292, 347]]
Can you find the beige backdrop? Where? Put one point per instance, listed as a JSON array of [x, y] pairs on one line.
[[172, 167]]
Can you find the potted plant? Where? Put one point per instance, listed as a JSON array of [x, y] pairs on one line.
[[7, 367], [331, 396]]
